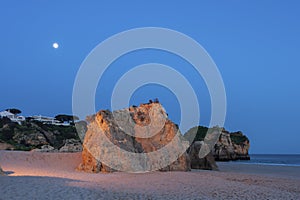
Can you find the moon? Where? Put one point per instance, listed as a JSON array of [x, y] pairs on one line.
[[55, 45]]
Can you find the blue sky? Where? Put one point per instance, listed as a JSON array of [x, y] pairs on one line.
[[255, 45]]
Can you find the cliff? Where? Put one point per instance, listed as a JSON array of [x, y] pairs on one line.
[[32, 135], [229, 146], [232, 146]]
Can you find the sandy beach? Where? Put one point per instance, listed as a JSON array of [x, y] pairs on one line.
[[36, 175]]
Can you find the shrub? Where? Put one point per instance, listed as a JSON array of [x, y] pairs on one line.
[[197, 133], [238, 137]]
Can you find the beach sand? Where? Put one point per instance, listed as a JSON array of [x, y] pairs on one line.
[[36, 175]]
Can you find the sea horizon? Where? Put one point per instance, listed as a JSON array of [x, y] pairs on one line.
[[292, 160]]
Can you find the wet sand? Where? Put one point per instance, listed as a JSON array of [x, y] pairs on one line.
[[36, 175], [288, 172]]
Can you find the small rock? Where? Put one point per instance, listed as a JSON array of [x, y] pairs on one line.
[[1, 171], [45, 148]]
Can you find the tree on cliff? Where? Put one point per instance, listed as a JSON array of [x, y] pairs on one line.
[[66, 118], [196, 133], [13, 111]]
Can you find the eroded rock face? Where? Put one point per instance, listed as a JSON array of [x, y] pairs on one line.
[[232, 146], [32, 139], [33, 134], [6, 146], [136, 139], [197, 162], [71, 145], [1, 171], [45, 148]]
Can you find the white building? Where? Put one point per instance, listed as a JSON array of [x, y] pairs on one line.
[[48, 120], [40, 118], [12, 117]]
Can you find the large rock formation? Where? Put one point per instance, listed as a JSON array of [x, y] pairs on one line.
[[136, 139], [229, 146], [232, 146], [208, 162]]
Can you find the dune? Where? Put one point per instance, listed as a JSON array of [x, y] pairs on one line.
[[37, 175]]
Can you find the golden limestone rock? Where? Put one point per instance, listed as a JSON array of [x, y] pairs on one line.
[[136, 139]]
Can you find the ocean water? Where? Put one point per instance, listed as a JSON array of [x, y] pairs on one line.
[[273, 159]]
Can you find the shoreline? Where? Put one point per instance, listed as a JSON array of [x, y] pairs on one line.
[[280, 171], [53, 175], [261, 163]]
